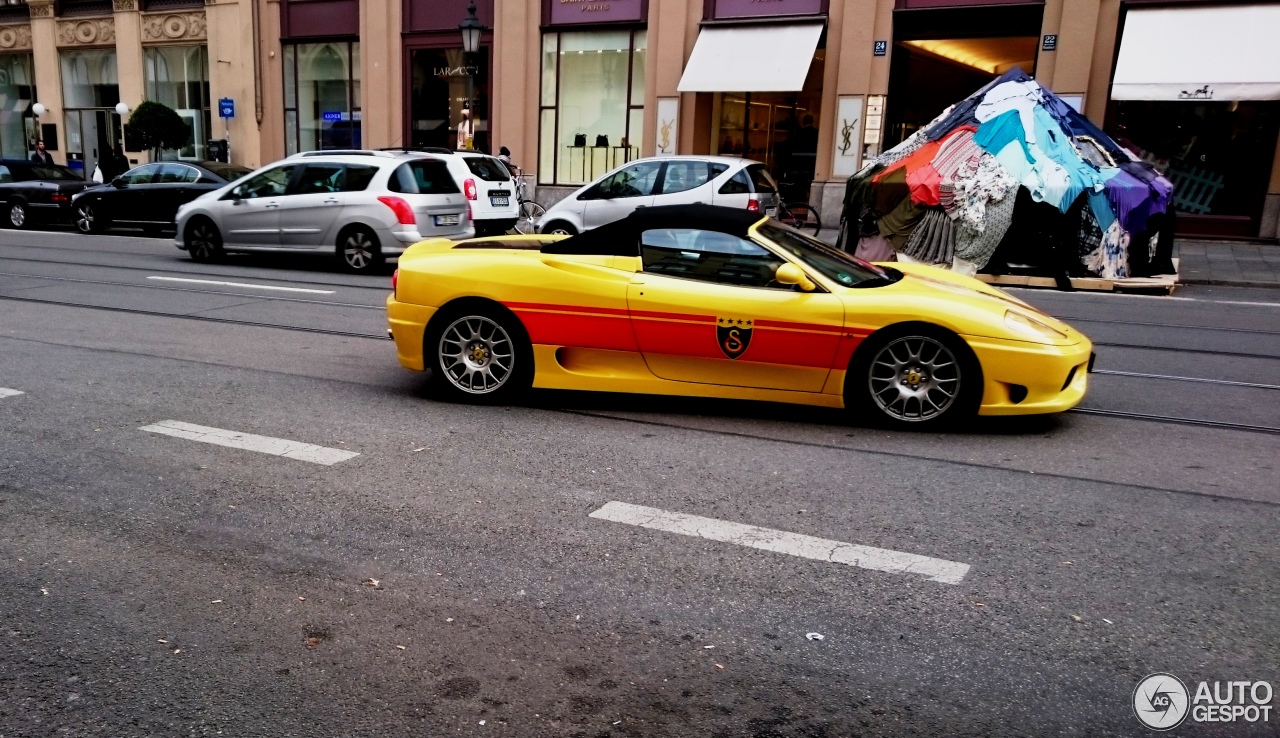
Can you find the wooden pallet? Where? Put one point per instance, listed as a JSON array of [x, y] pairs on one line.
[[1164, 284]]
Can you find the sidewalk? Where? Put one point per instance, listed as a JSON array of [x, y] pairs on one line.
[[1228, 263]]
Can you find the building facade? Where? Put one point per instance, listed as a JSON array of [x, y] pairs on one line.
[[575, 88]]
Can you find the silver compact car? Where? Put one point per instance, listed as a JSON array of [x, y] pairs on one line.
[[675, 180], [362, 206]]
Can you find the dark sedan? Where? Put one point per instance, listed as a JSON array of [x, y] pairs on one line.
[[37, 193], [148, 196]]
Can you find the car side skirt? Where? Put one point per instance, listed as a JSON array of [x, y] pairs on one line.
[[604, 370]]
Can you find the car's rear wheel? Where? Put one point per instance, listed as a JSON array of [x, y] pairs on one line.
[[203, 241], [18, 215], [914, 377], [479, 353], [87, 219], [560, 228], [359, 249]]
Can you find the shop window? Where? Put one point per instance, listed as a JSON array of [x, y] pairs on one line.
[[1217, 154], [779, 129], [322, 96], [441, 82], [178, 76], [592, 103], [17, 125], [90, 91]]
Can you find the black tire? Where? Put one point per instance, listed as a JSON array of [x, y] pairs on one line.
[[560, 227], [892, 379], [359, 250], [203, 241], [473, 375], [17, 216], [87, 219]]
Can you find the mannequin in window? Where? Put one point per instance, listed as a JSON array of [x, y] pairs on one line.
[[466, 130]]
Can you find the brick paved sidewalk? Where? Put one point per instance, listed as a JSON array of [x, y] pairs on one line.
[[1229, 263]]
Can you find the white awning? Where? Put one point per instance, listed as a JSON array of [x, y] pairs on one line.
[[763, 58], [1201, 53]]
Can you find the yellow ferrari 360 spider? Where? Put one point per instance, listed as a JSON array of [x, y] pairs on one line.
[[717, 302]]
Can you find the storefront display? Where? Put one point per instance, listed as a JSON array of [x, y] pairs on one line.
[[1196, 92], [592, 111], [178, 76], [322, 96], [766, 86], [441, 82]]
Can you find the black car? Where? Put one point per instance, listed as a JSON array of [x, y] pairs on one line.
[[37, 193], [149, 196]]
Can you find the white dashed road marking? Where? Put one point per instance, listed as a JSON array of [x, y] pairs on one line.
[[6, 392], [781, 541], [242, 284], [249, 442]]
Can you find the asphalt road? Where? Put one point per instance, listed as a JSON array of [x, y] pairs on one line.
[[449, 580]]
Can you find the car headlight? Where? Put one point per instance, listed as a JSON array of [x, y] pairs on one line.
[[1029, 326]]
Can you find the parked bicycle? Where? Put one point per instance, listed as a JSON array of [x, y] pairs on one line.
[[800, 215], [792, 208], [529, 211]]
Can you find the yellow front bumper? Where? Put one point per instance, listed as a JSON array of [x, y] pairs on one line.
[[408, 324], [1023, 378]]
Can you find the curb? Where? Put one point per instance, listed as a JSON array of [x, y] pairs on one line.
[[1230, 283]]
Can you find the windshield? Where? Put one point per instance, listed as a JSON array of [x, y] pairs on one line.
[[845, 269]]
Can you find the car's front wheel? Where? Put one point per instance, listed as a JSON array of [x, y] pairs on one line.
[[479, 353], [18, 215], [203, 241], [917, 376], [87, 219], [359, 249]]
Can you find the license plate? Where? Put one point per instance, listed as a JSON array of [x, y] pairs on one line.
[[499, 201], [444, 220], [771, 212]]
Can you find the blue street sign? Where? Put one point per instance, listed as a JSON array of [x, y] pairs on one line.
[[881, 48], [226, 108], [331, 115]]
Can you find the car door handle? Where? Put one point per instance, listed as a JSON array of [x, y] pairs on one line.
[[271, 205], [331, 201]]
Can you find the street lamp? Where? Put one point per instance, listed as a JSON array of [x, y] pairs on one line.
[[122, 109], [471, 28], [38, 110]]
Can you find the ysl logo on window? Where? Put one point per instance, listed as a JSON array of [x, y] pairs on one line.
[[666, 135], [846, 134]]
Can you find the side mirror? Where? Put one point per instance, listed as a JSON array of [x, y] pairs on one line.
[[120, 182], [791, 274]]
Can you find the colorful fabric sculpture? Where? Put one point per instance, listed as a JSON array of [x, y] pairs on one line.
[[947, 194]]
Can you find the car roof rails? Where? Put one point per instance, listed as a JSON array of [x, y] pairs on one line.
[[340, 152], [420, 149]]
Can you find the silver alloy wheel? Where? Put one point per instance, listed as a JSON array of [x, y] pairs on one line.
[[914, 378], [17, 214], [561, 231], [476, 354], [358, 250], [201, 242], [84, 218]]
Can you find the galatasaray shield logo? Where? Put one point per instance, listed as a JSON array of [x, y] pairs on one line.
[[733, 335]]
